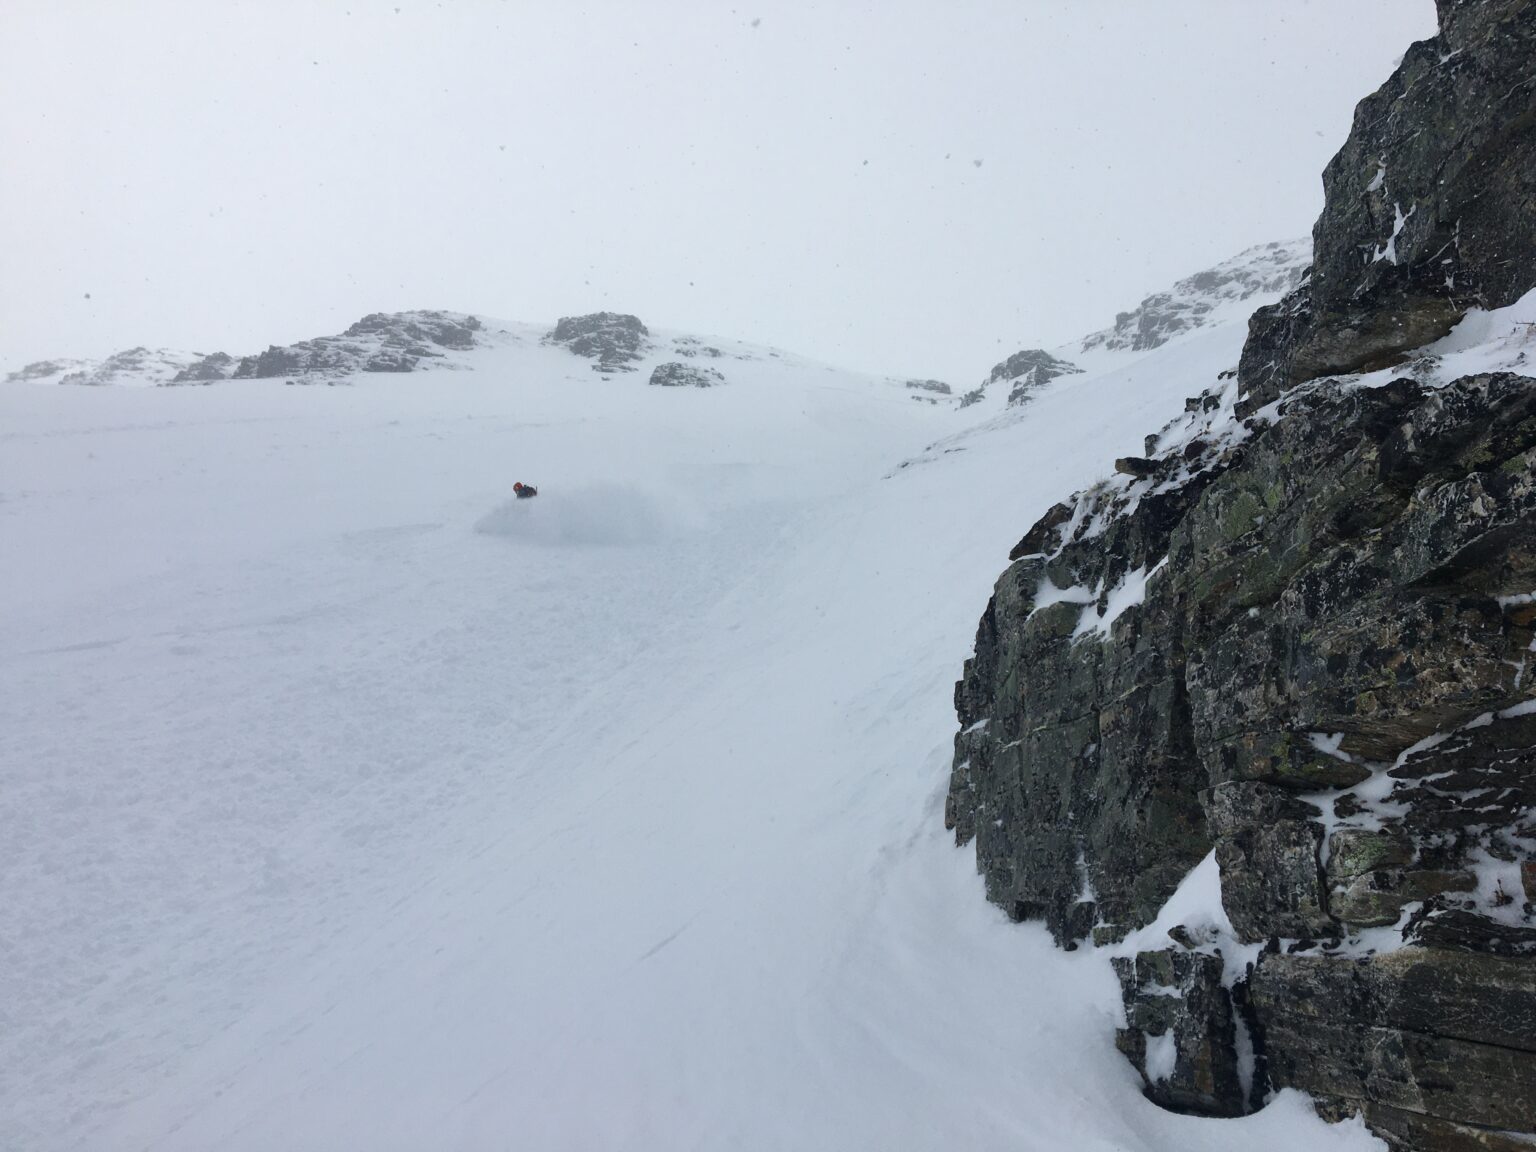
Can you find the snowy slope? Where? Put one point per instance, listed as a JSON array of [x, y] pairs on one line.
[[350, 805]]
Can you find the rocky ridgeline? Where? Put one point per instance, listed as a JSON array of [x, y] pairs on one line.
[[130, 366], [1196, 300], [41, 371], [381, 342], [1299, 634]]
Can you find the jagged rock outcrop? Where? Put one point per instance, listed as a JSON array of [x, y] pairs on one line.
[[379, 342], [217, 366], [1427, 206], [1299, 634], [1026, 371], [612, 340], [677, 375], [1191, 303]]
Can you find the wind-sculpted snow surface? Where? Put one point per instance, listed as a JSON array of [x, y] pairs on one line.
[[344, 809], [592, 516]]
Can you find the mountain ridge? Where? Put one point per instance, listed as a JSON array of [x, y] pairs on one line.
[[398, 342]]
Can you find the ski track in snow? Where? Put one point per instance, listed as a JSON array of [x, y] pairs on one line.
[[350, 805]]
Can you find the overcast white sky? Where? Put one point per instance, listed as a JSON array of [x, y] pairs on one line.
[[913, 188]]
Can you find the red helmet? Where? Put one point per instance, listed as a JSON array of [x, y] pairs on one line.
[[518, 487]]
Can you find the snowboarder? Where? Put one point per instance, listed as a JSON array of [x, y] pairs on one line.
[[524, 491]]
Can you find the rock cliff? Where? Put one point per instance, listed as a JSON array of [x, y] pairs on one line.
[[1294, 644], [1427, 206]]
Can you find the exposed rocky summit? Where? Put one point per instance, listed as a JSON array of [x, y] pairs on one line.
[[612, 340], [379, 342], [678, 375], [1197, 300], [1428, 206], [1294, 644]]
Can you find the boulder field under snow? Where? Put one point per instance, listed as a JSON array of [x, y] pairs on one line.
[[1295, 641], [675, 374]]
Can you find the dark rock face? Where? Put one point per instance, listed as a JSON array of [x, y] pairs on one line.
[[1181, 1031], [937, 387], [676, 375], [1305, 640], [380, 342], [1428, 206], [1320, 601], [1438, 1046], [1076, 768], [612, 340], [1026, 371]]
